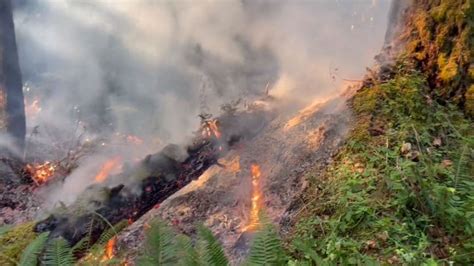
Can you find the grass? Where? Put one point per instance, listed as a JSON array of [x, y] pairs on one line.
[[402, 195]]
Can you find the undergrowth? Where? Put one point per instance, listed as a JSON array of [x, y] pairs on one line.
[[402, 188]]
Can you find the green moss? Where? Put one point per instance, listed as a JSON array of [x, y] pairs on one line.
[[14, 241], [366, 100], [375, 203], [448, 70], [469, 105]]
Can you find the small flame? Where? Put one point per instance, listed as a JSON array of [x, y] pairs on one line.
[[256, 198], [41, 173], [211, 129], [111, 165], [109, 249]]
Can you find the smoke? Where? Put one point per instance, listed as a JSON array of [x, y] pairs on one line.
[[148, 68]]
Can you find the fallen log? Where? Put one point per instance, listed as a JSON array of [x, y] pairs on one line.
[[159, 176]]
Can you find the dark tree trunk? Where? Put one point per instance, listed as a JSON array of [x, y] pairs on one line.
[[11, 89]]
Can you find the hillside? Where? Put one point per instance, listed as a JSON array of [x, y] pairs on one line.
[[382, 174], [401, 189]]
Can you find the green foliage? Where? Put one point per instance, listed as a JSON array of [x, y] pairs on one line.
[[266, 248], [403, 196], [163, 246], [160, 246], [29, 257], [58, 253], [210, 248], [14, 241]]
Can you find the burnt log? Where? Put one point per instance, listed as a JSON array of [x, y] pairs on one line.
[[159, 176]]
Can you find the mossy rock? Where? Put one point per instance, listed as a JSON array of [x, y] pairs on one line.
[[13, 242]]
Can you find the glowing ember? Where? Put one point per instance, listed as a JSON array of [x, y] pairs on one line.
[[134, 140], [32, 108], [211, 129], [41, 173], [304, 114], [254, 222], [110, 166], [109, 249]]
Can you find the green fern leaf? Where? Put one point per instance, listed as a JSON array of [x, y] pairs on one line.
[[266, 248], [160, 248], [111, 232], [210, 248], [29, 257], [187, 255], [58, 253]]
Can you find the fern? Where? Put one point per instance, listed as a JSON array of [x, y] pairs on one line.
[[111, 232], [266, 248], [29, 257], [210, 249], [160, 248], [186, 253], [58, 253]]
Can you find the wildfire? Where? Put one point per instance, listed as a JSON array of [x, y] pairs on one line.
[[254, 222], [41, 173], [211, 129], [109, 249], [111, 165]]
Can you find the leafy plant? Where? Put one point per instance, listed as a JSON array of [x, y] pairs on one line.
[[58, 253], [29, 257]]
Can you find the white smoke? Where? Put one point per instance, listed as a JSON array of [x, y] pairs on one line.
[[148, 68]]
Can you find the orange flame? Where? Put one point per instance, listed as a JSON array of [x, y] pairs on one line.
[[109, 249], [211, 128], [41, 173], [111, 165], [256, 198]]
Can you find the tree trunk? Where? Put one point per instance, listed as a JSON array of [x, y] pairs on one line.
[[12, 108]]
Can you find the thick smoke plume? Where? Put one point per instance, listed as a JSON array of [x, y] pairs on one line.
[[148, 68]]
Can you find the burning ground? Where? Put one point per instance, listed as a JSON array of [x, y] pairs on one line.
[[262, 175], [381, 173]]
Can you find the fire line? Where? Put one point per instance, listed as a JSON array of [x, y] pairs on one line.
[[254, 222]]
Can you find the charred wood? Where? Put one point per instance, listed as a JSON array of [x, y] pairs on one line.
[[164, 173]]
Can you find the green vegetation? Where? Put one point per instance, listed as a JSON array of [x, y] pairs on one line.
[[13, 241], [164, 246], [402, 195], [401, 190]]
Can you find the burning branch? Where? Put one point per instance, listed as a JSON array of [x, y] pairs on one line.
[[41, 173]]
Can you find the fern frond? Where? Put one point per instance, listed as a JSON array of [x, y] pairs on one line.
[[186, 253], [58, 253], [266, 248], [29, 257], [111, 232], [211, 250], [160, 248]]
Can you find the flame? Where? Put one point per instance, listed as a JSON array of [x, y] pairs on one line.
[[304, 114], [111, 165], [41, 173], [109, 249], [32, 109], [211, 129], [254, 222]]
